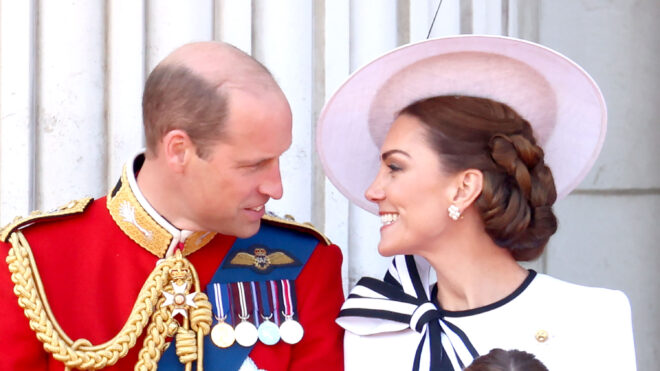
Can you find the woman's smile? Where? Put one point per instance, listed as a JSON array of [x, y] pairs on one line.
[[387, 219]]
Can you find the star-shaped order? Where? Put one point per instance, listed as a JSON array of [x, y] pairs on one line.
[[179, 299]]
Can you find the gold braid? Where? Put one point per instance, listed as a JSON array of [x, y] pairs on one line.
[[162, 325], [148, 308]]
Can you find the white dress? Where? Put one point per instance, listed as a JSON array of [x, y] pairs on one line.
[[566, 326]]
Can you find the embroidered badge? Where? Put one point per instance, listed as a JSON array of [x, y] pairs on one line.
[[127, 213], [260, 260]]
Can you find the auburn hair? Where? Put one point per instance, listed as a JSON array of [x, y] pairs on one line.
[[518, 188]]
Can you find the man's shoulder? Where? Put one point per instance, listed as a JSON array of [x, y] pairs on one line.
[[289, 223], [71, 209]]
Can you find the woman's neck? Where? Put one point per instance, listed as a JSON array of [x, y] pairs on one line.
[[472, 271]]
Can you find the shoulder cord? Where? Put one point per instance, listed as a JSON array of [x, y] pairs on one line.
[[148, 309]]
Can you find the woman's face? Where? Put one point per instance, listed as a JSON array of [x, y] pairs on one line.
[[411, 190]]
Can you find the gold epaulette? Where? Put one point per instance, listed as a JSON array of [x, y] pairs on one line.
[[73, 207], [289, 222]]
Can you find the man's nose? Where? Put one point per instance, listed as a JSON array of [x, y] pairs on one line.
[[272, 183]]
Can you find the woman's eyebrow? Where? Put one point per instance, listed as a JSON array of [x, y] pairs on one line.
[[387, 154]]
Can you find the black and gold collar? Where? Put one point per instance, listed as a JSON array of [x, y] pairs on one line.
[[140, 221]]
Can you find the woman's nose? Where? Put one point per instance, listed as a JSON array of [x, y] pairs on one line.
[[375, 191]]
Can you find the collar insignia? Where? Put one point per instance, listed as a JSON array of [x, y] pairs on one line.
[[260, 259], [152, 232]]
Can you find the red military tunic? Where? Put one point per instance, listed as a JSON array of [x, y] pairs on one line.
[[92, 271]]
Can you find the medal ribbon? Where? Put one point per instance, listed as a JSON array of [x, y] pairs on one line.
[[220, 302], [402, 301], [287, 298], [275, 300], [255, 304], [245, 312], [264, 302], [234, 306]]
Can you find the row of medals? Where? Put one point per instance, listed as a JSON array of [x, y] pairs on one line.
[[246, 333]]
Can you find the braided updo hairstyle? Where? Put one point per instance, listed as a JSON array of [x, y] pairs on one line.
[[518, 189]]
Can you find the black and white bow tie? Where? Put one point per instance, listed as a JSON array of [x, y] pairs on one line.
[[401, 301]]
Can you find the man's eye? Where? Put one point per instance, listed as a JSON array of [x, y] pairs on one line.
[[257, 165]]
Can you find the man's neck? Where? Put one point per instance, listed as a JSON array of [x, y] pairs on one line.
[[157, 189]]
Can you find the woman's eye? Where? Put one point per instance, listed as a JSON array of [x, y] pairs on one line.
[[394, 167]]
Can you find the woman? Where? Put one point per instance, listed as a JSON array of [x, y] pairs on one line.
[[463, 187]]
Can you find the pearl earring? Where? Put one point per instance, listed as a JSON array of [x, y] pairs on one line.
[[454, 212]]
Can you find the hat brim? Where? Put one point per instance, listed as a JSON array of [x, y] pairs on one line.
[[563, 104]]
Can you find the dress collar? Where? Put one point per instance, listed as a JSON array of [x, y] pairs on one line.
[[531, 274], [142, 223]]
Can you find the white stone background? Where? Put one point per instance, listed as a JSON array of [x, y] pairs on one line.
[[71, 77]]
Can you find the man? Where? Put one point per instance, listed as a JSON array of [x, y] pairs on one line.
[[190, 209]]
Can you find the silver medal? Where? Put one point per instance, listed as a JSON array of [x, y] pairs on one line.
[[269, 333], [291, 331], [246, 334], [222, 335]]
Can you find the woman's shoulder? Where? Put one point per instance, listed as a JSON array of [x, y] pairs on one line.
[[593, 320], [589, 307], [563, 292]]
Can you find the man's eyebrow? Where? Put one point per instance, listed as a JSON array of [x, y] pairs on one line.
[[255, 161], [389, 153]]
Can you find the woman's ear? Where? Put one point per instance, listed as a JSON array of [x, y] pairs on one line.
[[469, 186], [178, 149]]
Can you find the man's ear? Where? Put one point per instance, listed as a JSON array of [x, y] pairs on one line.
[[178, 149], [469, 184]]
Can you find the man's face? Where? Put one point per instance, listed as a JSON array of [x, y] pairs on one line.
[[228, 189]]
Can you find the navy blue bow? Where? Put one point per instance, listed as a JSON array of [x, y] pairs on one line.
[[402, 297]]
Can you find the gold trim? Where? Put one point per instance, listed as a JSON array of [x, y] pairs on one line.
[[196, 241], [136, 222], [303, 227], [148, 314], [71, 208], [142, 228]]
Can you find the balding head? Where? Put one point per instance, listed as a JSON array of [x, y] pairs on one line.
[[190, 90], [219, 63]]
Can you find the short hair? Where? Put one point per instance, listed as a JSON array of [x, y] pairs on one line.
[[511, 360], [176, 98], [518, 192]]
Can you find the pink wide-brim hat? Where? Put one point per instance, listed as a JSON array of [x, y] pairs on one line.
[[563, 104]]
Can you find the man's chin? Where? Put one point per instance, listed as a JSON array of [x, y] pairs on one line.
[[245, 230]]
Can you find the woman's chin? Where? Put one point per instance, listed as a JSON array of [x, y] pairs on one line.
[[388, 250]]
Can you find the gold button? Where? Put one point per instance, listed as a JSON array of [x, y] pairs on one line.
[[541, 336]]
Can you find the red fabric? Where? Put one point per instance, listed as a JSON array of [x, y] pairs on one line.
[[92, 273]]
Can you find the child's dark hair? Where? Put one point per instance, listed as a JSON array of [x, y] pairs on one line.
[[507, 360]]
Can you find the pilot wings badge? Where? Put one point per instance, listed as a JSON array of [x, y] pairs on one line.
[[261, 260]]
